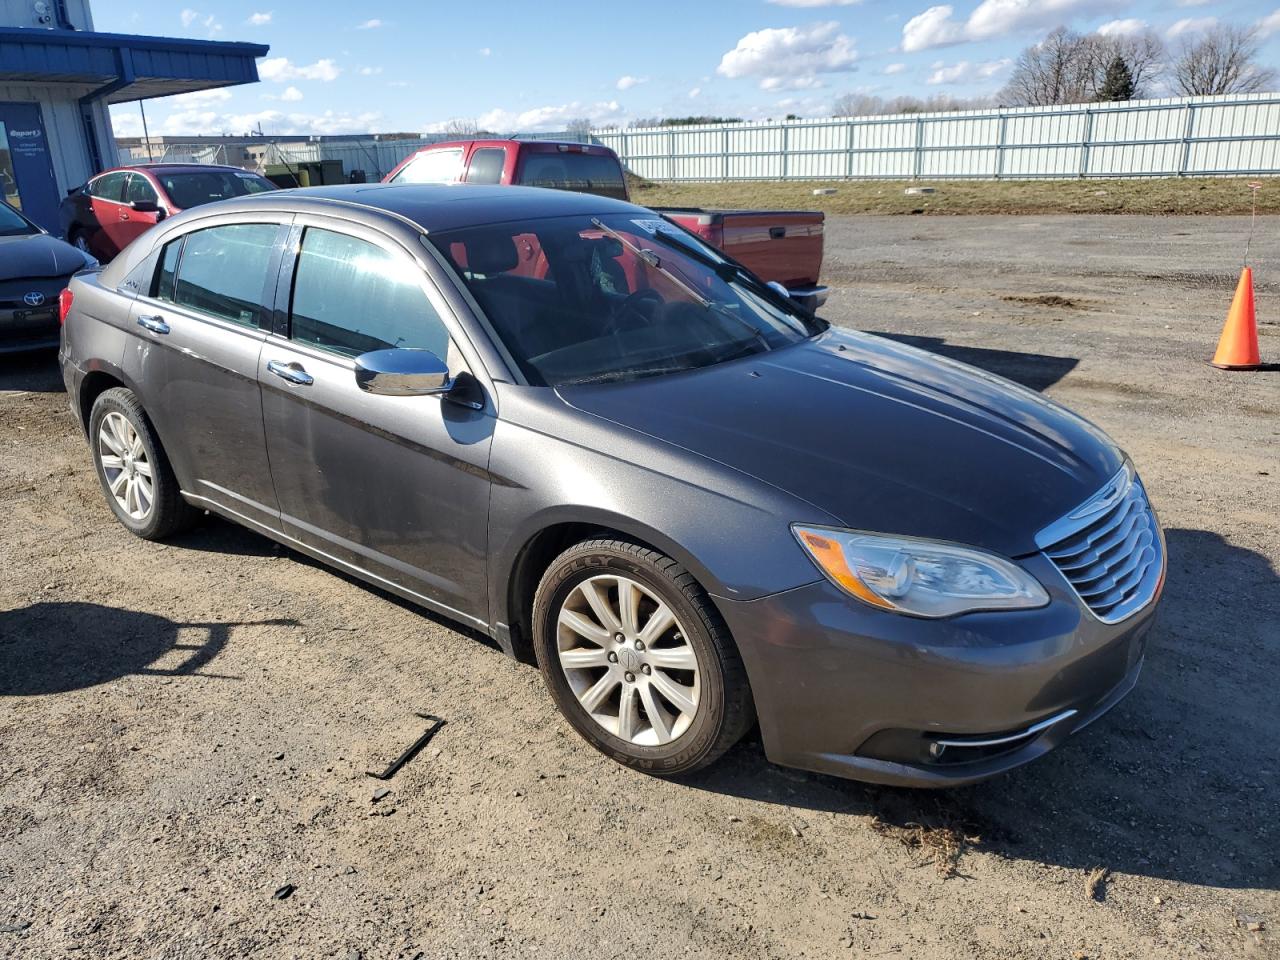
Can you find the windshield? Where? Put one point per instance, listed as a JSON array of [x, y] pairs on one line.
[[14, 224], [193, 189], [618, 297], [596, 173]]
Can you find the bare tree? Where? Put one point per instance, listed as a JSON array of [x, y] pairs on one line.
[[1058, 69], [1143, 53], [462, 127], [579, 128], [1223, 59], [857, 105]]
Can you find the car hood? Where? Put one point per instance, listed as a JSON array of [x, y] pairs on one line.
[[37, 255], [881, 436]]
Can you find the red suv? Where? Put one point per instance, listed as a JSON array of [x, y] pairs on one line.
[[111, 210]]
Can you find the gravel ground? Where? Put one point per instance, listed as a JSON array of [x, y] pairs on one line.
[[184, 728]]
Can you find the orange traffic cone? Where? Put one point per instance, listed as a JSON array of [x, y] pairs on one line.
[[1238, 346]]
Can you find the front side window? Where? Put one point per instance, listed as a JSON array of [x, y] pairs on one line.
[[206, 186], [140, 190], [223, 271], [109, 186], [486, 165], [433, 166], [618, 297], [351, 296]]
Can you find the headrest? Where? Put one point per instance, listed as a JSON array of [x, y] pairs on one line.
[[491, 254]]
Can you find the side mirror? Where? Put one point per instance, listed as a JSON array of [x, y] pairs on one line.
[[145, 206], [779, 289], [403, 372]]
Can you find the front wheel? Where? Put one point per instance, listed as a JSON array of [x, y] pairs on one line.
[[135, 474], [638, 659]]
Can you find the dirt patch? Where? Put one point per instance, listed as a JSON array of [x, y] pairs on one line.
[[1045, 300]]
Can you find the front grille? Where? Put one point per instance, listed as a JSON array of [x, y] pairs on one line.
[[1109, 548]]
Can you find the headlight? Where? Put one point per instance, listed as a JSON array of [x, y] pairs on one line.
[[919, 577]]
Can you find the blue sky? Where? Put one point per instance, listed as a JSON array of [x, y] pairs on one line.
[[348, 68]]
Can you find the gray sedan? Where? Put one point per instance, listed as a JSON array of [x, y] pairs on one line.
[[568, 423]]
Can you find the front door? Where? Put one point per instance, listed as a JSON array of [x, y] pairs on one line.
[[26, 167], [396, 487]]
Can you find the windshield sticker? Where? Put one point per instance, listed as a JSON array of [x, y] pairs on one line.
[[657, 226]]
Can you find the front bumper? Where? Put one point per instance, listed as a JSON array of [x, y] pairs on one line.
[[844, 689], [28, 329]]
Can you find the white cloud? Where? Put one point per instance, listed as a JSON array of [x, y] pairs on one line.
[[292, 94], [1190, 25], [695, 93], [893, 68], [282, 70], [370, 71], [791, 83], [1122, 28], [259, 19], [369, 24], [210, 122], [938, 27], [1191, 3], [485, 51], [197, 97], [627, 82], [603, 113], [966, 72], [1269, 24], [189, 16], [814, 3], [782, 56]]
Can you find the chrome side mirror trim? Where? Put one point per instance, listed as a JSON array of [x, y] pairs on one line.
[[402, 372]]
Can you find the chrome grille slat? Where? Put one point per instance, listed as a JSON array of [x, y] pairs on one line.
[[1109, 549]]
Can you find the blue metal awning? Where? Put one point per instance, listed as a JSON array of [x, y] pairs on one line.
[[120, 67]]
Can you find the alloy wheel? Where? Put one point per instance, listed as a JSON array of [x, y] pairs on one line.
[[125, 465], [628, 660]]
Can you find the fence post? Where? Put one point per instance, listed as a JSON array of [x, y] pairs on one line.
[[671, 154], [1000, 142], [1187, 130], [786, 146], [1085, 142], [725, 138], [848, 155], [919, 151]]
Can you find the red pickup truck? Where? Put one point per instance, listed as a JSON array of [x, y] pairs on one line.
[[782, 246]]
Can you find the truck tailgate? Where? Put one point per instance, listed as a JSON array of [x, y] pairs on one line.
[[781, 245]]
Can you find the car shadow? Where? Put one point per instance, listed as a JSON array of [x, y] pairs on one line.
[[58, 647], [36, 371], [1178, 782], [1037, 371]]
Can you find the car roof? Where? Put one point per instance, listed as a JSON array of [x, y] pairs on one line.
[[437, 207], [161, 168]]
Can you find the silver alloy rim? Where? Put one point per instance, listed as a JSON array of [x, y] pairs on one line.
[[628, 660], [125, 465]]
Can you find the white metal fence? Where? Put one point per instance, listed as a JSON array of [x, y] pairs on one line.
[[1187, 136]]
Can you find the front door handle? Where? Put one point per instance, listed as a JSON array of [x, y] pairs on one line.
[[155, 323], [123, 215], [292, 372]]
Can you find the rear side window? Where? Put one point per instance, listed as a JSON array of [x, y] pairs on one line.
[[223, 271], [351, 296], [109, 187], [434, 166], [486, 165]]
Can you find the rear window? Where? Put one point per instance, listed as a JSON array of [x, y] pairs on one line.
[[600, 174], [206, 186]]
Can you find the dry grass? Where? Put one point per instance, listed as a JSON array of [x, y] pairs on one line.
[[1226, 195], [942, 843], [1095, 883]]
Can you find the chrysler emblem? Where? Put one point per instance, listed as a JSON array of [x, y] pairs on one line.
[[33, 299]]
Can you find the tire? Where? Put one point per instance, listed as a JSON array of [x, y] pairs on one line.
[[650, 679], [78, 240], [125, 448]]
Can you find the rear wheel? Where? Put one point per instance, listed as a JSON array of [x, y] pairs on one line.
[[638, 659], [135, 474], [80, 242]]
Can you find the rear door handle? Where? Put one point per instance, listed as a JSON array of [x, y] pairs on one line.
[[777, 233], [155, 323], [292, 372]]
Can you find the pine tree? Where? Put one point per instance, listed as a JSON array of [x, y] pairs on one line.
[[1118, 83]]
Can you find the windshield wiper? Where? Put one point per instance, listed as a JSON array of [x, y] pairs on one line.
[[619, 374], [653, 260]]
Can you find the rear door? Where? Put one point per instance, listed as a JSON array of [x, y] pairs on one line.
[[395, 487], [198, 334]]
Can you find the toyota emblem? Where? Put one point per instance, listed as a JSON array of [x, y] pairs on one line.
[[33, 299]]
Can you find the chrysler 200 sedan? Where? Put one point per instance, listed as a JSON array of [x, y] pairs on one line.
[[570, 424]]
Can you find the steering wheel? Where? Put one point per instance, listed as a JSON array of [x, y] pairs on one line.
[[634, 304]]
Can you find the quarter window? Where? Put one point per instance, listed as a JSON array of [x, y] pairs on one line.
[[434, 166], [351, 296], [168, 270], [223, 271], [486, 165]]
